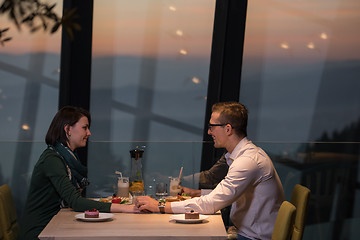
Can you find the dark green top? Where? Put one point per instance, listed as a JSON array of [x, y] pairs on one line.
[[50, 184]]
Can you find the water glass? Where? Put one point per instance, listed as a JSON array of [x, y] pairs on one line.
[[161, 189]]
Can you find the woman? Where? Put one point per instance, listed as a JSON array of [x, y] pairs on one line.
[[59, 177]]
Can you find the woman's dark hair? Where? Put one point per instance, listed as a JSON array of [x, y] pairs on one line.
[[67, 115]]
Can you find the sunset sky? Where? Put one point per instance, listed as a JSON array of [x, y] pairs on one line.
[[171, 28]]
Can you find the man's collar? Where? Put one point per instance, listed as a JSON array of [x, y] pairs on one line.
[[231, 156]]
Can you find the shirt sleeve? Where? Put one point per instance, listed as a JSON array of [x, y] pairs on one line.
[[56, 171], [242, 173], [205, 191]]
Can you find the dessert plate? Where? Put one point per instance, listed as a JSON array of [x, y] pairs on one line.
[[102, 217], [180, 218]]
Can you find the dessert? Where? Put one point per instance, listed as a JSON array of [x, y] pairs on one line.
[[192, 215], [92, 213]]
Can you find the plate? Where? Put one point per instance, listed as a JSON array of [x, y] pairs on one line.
[[109, 199], [102, 217], [180, 218]]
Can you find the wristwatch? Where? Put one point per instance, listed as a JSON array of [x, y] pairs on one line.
[[161, 206]]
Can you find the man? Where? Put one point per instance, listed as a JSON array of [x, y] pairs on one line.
[[251, 185]]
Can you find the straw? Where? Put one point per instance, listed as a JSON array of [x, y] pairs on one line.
[[117, 172], [180, 175]]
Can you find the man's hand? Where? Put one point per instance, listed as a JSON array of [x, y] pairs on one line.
[[124, 208], [146, 204], [191, 192]]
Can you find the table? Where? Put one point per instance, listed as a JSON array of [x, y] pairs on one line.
[[132, 226]]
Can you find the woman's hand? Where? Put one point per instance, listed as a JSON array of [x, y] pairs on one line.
[[115, 207]]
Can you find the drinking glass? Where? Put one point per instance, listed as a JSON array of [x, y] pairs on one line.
[[123, 187], [161, 190], [174, 186], [135, 194]]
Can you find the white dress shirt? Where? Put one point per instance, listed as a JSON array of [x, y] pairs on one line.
[[253, 188]]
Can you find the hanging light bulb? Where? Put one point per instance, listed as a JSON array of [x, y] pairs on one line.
[[179, 33], [183, 52], [196, 80], [323, 36], [25, 127], [284, 45], [311, 45]]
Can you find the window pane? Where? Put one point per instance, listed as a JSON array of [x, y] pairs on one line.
[[301, 69], [29, 80], [149, 83], [300, 82], [150, 69]]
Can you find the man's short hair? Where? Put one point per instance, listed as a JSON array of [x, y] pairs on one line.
[[233, 113]]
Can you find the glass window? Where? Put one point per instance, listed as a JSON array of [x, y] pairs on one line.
[[149, 72], [150, 67], [300, 82], [301, 69], [29, 86]]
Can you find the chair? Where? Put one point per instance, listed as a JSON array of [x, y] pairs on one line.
[[284, 223], [9, 227], [300, 199]]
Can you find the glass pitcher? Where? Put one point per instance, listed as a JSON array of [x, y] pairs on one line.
[[136, 177]]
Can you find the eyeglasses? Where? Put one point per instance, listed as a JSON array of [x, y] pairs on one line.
[[210, 125]]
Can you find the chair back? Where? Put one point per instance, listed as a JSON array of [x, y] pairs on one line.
[[284, 222], [9, 227], [300, 199]]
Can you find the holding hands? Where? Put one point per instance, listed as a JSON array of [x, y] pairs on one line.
[[124, 208], [147, 204]]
